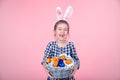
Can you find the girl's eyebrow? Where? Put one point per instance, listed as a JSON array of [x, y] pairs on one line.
[[59, 27], [65, 28]]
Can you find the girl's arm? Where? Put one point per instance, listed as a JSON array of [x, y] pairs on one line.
[[46, 55], [74, 55]]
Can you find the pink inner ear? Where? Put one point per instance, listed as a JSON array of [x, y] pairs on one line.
[[59, 13]]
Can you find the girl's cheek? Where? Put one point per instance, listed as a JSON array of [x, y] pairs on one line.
[[66, 32]]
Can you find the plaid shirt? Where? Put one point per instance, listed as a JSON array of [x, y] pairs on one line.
[[53, 49]]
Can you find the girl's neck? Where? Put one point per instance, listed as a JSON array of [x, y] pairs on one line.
[[61, 43]]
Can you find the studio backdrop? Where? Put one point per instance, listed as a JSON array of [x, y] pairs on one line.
[[26, 27]]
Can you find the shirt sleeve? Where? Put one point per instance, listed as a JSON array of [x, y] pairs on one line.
[[74, 54], [46, 52]]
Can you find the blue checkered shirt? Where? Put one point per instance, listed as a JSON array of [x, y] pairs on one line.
[[53, 49]]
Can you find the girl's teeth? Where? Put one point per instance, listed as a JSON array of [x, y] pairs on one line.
[[62, 35]]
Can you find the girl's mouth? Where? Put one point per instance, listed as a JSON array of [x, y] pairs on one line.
[[61, 35]]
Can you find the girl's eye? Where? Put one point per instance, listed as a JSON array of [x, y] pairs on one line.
[[65, 30], [59, 29]]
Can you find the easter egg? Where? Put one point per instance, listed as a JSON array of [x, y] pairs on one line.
[[68, 61], [55, 63], [63, 57], [54, 59], [61, 63], [48, 60]]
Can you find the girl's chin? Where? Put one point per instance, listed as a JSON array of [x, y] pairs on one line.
[[62, 39]]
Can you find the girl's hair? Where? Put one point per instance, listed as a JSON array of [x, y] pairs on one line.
[[59, 22]]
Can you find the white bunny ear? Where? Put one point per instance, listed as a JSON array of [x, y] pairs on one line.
[[59, 13], [68, 12]]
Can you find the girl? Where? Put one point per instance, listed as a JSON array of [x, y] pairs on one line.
[[61, 45]]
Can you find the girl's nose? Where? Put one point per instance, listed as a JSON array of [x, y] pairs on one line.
[[63, 31]]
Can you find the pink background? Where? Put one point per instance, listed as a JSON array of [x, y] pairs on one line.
[[26, 26]]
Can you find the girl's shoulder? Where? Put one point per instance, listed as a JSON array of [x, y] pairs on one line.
[[51, 42], [71, 42]]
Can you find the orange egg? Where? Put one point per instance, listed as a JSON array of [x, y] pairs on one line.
[[55, 63], [54, 59], [48, 60], [63, 57], [68, 61]]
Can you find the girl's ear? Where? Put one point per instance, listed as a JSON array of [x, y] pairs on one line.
[[68, 12], [59, 13]]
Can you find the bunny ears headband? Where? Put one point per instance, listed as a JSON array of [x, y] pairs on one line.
[[66, 15]]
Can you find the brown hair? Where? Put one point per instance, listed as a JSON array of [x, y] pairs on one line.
[[59, 22]]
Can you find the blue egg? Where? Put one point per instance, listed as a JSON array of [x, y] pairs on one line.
[[61, 63]]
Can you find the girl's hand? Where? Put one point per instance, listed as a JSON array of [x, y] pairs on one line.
[[75, 69], [46, 70], [44, 66]]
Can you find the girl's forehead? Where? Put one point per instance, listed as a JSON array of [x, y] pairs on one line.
[[62, 25]]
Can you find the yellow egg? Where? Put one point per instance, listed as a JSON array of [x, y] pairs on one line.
[[55, 64], [68, 61], [48, 60], [63, 57], [54, 59]]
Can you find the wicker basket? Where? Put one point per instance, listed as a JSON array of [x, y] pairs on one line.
[[61, 72]]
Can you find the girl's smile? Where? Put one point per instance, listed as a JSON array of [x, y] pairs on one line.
[[62, 35]]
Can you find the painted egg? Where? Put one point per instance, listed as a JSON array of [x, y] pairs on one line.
[[68, 61], [54, 59], [48, 60], [55, 63], [61, 63], [63, 57]]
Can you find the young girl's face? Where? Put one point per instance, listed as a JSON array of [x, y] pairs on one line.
[[61, 31]]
